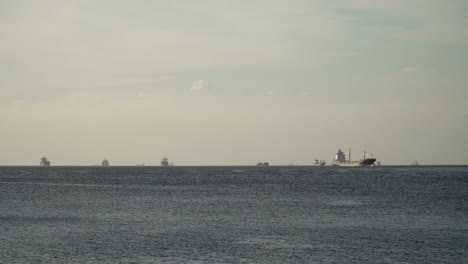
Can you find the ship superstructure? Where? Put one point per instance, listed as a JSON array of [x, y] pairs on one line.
[[45, 162], [340, 160]]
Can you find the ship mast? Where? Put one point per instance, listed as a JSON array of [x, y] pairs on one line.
[[349, 154]]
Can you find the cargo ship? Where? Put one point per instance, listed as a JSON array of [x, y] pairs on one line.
[[45, 162], [340, 160], [263, 164], [165, 162]]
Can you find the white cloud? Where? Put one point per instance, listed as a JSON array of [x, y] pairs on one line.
[[99, 44], [410, 69], [199, 86]]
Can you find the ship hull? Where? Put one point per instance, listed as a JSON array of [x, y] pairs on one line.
[[319, 164], [362, 163]]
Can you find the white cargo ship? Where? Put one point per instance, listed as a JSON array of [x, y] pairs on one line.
[[340, 160]]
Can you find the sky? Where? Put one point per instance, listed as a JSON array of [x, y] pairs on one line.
[[217, 82]]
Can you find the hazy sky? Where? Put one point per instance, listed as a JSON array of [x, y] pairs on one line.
[[215, 82]]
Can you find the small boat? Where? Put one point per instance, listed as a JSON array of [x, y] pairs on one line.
[[319, 162]]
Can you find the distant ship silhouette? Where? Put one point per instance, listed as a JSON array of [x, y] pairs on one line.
[[45, 162]]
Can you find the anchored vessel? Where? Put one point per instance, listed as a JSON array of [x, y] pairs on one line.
[[340, 160], [165, 162], [105, 163], [263, 164], [319, 163], [45, 162]]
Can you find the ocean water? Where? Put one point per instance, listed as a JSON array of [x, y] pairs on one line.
[[233, 215]]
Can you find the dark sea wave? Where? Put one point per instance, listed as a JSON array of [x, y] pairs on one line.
[[233, 215]]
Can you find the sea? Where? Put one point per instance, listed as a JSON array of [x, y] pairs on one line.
[[270, 214]]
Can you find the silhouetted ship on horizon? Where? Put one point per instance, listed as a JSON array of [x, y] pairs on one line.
[[45, 162], [340, 160], [263, 164], [105, 163]]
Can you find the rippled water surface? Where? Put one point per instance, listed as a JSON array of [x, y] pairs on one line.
[[234, 215]]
